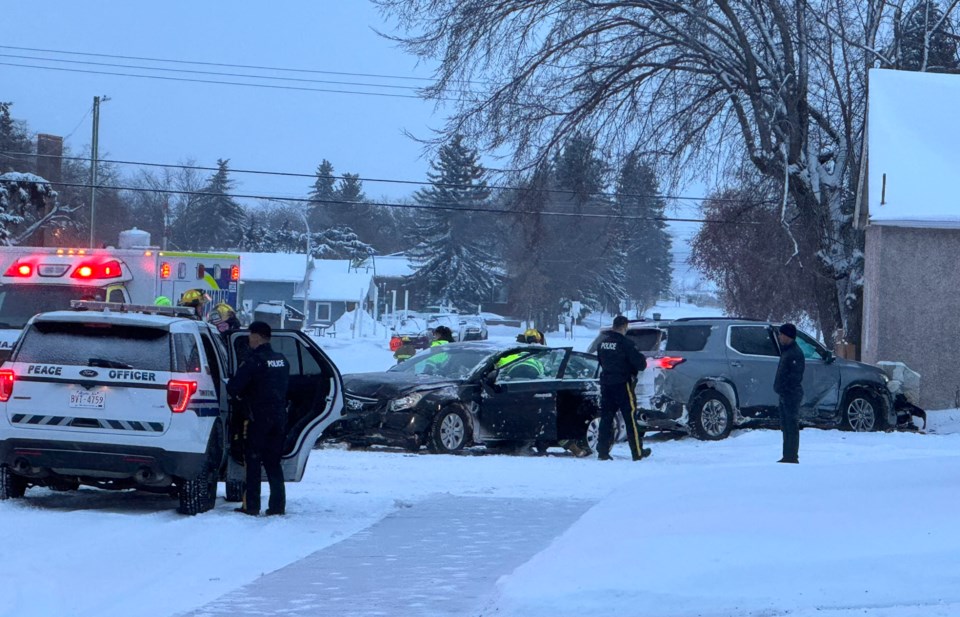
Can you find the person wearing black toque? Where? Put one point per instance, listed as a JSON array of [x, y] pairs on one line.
[[261, 382], [789, 386]]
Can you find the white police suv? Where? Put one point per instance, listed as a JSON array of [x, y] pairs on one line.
[[120, 396]]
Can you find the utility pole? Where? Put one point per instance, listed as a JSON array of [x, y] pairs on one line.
[[94, 154]]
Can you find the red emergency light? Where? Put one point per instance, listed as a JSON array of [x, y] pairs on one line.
[[105, 270], [165, 270], [19, 269], [234, 273]]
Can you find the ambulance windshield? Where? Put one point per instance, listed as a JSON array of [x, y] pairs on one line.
[[18, 303]]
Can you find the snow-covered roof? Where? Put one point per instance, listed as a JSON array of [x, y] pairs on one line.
[[334, 279], [389, 266], [272, 267], [913, 131]]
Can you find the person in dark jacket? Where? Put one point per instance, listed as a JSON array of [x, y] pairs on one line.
[[620, 362], [789, 386], [261, 385]]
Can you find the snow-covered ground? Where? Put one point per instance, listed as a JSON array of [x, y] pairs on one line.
[[864, 526]]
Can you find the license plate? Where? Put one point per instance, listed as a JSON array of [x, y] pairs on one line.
[[89, 400]]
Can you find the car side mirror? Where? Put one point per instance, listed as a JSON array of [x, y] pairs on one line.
[[830, 358]]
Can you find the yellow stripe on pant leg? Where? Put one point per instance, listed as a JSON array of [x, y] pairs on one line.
[[633, 420]]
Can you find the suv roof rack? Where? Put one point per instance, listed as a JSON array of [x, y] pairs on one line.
[[120, 307]]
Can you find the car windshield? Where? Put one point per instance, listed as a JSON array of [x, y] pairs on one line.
[[18, 303], [444, 361]]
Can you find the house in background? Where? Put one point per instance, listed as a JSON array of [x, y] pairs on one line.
[[336, 287], [266, 277], [911, 294]]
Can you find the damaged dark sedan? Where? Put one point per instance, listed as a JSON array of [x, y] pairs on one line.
[[461, 394]]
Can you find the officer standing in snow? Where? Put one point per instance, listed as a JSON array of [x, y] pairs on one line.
[[620, 361], [789, 386], [261, 383]]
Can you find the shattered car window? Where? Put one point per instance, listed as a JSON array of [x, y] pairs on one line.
[[687, 338]]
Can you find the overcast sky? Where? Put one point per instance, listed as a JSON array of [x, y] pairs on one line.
[[256, 128]]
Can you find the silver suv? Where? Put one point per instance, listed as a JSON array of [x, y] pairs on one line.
[[714, 374]]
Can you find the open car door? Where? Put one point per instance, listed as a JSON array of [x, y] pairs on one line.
[[314, 397], [522, 403]]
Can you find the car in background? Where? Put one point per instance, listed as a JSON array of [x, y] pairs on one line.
[[460, 394], [472, 328], [715, 374]]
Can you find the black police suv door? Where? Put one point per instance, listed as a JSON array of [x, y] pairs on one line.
[[521, 404], [314, 395]]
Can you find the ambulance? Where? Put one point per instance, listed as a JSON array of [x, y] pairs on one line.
[[40, 279]]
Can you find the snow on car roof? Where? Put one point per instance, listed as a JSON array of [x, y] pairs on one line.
[[128, 319]]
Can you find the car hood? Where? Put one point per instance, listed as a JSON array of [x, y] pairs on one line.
[[391, 384], [858, 370]]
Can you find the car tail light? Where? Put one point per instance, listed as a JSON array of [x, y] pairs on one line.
[[105, 270], [19, 269], [179, 393], [6, 385], [395, 343], [165, 270], [234, 273], [669, 362]]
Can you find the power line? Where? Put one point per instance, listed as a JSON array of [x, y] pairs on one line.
[[209, 81], [291, 174], [233, 66], [163, 191], [215, 73]]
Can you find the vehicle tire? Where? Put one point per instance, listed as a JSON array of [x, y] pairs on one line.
[[200, 494], [234, 491], [711, 418], [592, 434], [12, 486], [450, 430], [862, 412]]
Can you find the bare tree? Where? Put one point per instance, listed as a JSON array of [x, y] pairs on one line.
[[701, 85]]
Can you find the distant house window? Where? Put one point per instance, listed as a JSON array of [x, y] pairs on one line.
[[323, 311]]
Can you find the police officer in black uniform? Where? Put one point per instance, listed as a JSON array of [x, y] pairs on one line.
[[620, 361], [261, 383], [789, 386]]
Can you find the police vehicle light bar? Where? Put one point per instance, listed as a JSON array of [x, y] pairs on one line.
[[120, 307]]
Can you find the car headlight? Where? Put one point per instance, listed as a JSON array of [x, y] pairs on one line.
[[405, 402]]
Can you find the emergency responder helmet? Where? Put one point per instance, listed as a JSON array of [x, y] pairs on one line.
[[194, 297], [530, 335], [162, 301], [225, 310]]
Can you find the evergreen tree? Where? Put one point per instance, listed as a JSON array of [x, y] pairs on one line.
[[214, 220], [594, 270], [647, 243], [457, 264], [925, 40], [322, 195], [14, 138]]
